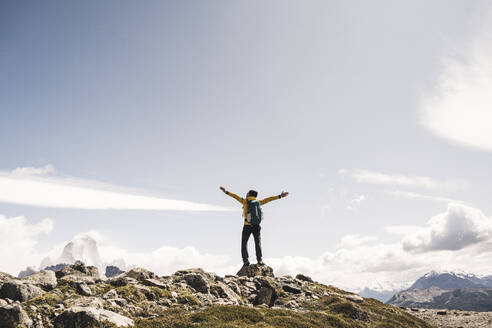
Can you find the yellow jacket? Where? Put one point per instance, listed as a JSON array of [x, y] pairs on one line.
[[244, 202]]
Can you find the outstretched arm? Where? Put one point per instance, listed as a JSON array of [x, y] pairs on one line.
[[269, 199], [236, 197]]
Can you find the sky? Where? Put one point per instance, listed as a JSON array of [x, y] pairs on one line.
[[120, 120]]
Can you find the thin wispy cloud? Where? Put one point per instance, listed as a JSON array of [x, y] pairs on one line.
[[354, 202], [460, 107], [401, 180], [415, 195], [39, 187], [364, 176], [44, 170]]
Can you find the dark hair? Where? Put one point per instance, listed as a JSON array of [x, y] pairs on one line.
[[253, 193]]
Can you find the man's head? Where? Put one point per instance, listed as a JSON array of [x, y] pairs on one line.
[[252, 193]]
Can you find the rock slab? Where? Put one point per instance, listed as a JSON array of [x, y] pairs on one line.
[[18, 290], [45, 279], [78, 316]]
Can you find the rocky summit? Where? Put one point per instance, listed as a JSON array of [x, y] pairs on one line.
[[78, 296]]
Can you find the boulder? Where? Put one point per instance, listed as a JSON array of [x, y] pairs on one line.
[[74, 279], [5, 277], [349, 297], [14, 316], [120, 281], [86, 301], [354, 298], [19, 290], [77, 316], [256, 270], [222, 290], [83, 289], [198, 282], [139, 274], [234, 286], [266, 295], [79, 270], [302, 277], [291, 288], [155, 283], [192, 270], [44, 279], [110, 294]]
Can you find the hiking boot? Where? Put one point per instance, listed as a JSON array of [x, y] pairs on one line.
[[260, 262], [245, 264]]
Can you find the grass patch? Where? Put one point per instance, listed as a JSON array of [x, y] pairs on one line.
[[228, 313], [348, 310], [50, 298], [132, 293], [101, 289], [188, 299], [229, 316]]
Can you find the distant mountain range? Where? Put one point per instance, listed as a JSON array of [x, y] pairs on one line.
[[81, 249], [383, 290], [447, 290]]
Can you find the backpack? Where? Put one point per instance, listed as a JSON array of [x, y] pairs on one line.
[[254, 215]]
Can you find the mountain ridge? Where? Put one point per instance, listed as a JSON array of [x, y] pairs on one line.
[[447, 290]]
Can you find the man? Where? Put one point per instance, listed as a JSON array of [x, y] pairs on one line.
[[251, 226]]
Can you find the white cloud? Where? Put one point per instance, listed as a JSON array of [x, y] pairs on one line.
[[363, 176], [18, 240], [28, 186], [414, 195], [354, 202], [459, 238], [167, 259], [351, 241], [93, 248], [44, 170], [460, 226], [460, 109]]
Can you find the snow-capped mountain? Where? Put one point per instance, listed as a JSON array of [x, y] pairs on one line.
[[448, 290], [82, 248], [452, 280], [447, 280]]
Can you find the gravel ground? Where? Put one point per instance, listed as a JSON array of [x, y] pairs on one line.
[[454, 318]]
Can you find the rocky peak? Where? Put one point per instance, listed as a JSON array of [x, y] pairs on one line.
[[76, 296], [255, 270]]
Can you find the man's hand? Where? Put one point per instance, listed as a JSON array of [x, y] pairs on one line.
[[284, 194], [223, 189]]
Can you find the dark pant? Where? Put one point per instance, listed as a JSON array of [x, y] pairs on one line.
[[247, 231]]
